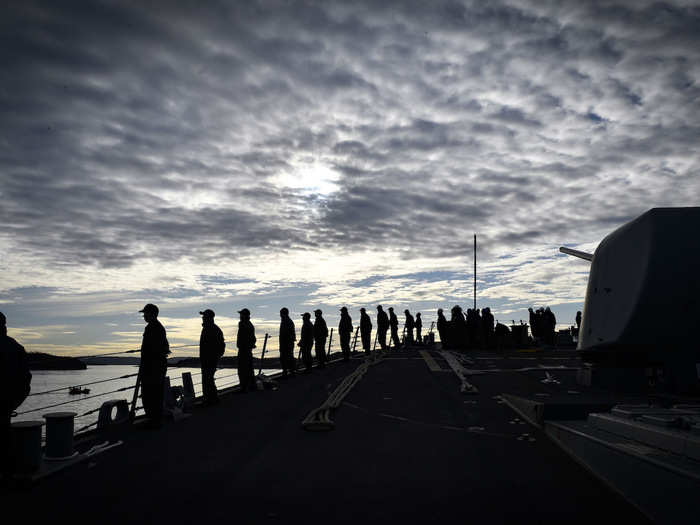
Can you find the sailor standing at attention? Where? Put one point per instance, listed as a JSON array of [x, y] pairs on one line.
[[419, 327], [154, 364], [14, 388], [344, 332], [288, 335], [211, 348], [443, 329], [307, 341], [394, 324], [245, 342], [366, 331], [382, 326], [320, 336], [409, 325]]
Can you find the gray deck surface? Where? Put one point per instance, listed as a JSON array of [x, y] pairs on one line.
[[407, 447]]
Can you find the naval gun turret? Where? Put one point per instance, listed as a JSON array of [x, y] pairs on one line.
[[642, 308]]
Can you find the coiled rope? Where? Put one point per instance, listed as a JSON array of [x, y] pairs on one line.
[[319, 419]]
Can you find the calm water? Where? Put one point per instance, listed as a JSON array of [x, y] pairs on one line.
[[43, 380]]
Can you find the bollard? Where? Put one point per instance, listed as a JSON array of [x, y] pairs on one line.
[[168, 396], [188, 388], [59, 434], [106, 423], [26, 446]]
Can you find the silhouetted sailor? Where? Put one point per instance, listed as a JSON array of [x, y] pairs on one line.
[[306, 342], [382, 326], [472, 327], [550, 322], [245, 342], [211, 348], [443, 329], [409, 325], [154, 363], [487, 327], [345, 332], [394, 325], [533, 323], [576, 331], [366, 331], [288, 335], [320, 336], [15, 383], [419, 328], [458, 328]]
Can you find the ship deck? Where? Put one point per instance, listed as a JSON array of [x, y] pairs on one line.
[[407, 445]]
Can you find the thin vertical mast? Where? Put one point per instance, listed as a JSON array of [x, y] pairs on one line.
[[475, 271]]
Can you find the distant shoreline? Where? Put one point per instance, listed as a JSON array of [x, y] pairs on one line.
[[42, 361]]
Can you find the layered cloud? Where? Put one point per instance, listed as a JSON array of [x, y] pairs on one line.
[[326, 152]]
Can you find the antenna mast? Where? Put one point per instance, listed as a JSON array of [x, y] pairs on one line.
[[475, 271]]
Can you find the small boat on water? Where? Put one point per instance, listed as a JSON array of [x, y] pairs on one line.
[[76, 390]]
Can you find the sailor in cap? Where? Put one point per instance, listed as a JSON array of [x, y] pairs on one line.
[[245, 342], [306, 341], [320, 336], [211, 348], [288, 335], [382, 326], [366, 331], [443, 328], [154, 364], [394, 324], [409, 325], [345, 332], [419, 327]]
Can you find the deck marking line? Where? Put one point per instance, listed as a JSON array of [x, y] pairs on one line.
[[393, 417], [430, 361]]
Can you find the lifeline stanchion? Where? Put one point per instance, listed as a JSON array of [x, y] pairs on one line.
[[374, 346], [263, 354], [330, 342], [354, 341], [132, 413]]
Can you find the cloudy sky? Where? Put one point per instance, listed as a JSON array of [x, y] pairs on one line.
[[308, 154]]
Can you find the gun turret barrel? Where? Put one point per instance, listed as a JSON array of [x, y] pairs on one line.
[[576, 253]]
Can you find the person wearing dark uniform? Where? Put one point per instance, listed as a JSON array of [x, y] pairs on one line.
[[345, 332], [245, 342], [307, 341], [578, 322], [488, 327], [366, 331], [394, 325], [443, 329], [211, 348], [533, 324], [382, 326], [419, 327], [320, 336], [15, 384], [409, 325], [154, 364], [458, 329], [288, 335], [550, 321]]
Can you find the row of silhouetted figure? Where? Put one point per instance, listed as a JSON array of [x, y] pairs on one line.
[[212, 345], [473, 330]]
